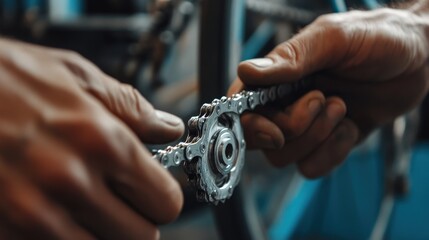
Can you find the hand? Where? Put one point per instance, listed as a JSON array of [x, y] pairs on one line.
[[371, 65], [71, 162]]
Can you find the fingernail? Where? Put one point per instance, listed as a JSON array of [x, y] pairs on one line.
[[261, 62], [335, 112], [314, 106], [264, 140], [168, 118]]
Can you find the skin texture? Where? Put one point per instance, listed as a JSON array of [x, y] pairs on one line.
[[367, 68], [72, 165]]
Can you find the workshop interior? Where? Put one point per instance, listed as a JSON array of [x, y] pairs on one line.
[[181, 54]]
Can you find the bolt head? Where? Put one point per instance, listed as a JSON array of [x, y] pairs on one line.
[[165, 159], [176, 157], [218, 109], [240, 107], [203, 148], [251, 102], [189, 153]]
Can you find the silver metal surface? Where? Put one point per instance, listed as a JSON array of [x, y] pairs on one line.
[[213, 153]]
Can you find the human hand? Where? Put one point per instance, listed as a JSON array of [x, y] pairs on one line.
[[71, 162], [371, 65]]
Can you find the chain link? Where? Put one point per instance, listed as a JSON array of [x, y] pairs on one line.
[[213, 153]]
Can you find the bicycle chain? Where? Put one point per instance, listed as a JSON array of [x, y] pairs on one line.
[[213, 153]]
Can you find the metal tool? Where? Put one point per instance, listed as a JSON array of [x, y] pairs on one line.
[[213, 154]]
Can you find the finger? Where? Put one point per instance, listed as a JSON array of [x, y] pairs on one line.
[[81, 187], [147, 186], [263, 132], [124, 101], [137, 178], [27, 213], [297, 118], [372, 108], [318, 132], [260, 132], [152, 126], [332, 152], [110, 149], [107, 217], [320, 45]]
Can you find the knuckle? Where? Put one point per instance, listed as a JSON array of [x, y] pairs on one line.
[[292, 51], [137, 105], [323, 19], [333, 24], [97, 129], [329, 19], [288, 50], [72, 56], [388, 13], [132, 92], [103, 136], [128, 89], [355, 12], [91, 130], [86, 71], [71, 180], [337, 31]]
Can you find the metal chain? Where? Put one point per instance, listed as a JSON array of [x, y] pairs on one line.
[[213, 154]]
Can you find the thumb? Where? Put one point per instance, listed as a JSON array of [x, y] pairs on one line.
[[124, 101], [318, 46], [151, 125]]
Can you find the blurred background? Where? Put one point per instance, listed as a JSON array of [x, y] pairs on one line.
[[182, 53]]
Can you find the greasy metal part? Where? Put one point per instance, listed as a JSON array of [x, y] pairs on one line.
[[213, 153]]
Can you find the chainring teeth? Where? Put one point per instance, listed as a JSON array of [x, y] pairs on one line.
[[215, 186], [213, 172]]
